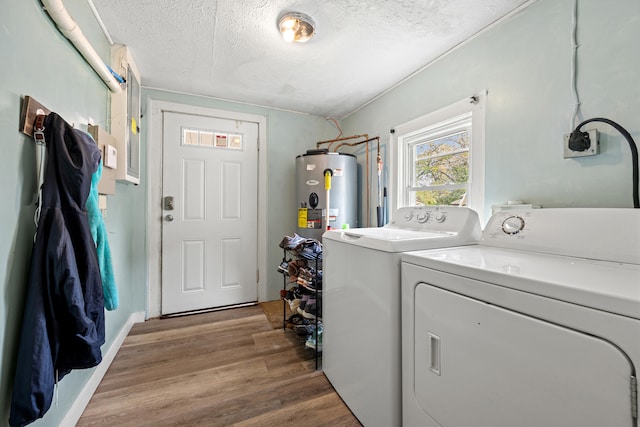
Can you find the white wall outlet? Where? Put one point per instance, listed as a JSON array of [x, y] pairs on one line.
[[592, 150], [110, 157], [102, 202]]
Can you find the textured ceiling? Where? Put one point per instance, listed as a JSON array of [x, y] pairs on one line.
[[232, 49]]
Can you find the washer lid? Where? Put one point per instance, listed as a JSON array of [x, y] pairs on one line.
[[415, 228], [396, 239], [603, 285]]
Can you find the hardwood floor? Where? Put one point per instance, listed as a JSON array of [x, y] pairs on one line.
[[226, 368]]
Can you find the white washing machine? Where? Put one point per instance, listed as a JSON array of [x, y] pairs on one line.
[[361, 304], [537, 325]]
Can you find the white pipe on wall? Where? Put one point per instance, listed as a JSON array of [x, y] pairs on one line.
[[69, 28]]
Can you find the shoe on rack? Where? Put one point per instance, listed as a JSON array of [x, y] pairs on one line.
[[310, 254], [314, 341], [304, 330], [305, 291], [306, 299], [294, 304], [304, 282], [291, 298], [310, 249], [306, 272], [292, 294], [297, 319], [284, 267], [302, 243], [291, 242], [303, 301], [311, 311], [293, 269], [316, 286], [311, 288]]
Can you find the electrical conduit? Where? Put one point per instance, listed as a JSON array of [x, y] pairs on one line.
[[69, 28]]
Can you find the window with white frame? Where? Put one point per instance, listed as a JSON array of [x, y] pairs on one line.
[[440, 158]]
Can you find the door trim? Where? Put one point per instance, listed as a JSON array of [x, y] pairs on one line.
[[155, 110]]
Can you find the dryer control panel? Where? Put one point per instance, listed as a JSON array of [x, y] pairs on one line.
[[600, 234]]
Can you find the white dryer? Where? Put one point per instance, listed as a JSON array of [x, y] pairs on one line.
[[538, 325], [361, 304]]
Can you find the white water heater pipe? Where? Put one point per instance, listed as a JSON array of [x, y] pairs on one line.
[[69, 28]]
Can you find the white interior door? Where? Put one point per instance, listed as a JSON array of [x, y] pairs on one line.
[[209, 231]]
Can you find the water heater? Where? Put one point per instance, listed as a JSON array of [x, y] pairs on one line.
[[311, 194]]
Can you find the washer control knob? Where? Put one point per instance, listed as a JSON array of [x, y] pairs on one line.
[[408, 216], [422, 217], [513, 225], [441, 218]]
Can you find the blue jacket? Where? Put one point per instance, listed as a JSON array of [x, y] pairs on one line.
[[63, 324]]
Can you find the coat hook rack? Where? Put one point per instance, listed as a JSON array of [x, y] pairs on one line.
[[30, 109]]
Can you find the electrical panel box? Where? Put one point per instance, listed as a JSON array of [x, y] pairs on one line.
[[125, 115]]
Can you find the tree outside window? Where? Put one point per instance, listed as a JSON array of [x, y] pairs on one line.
[[441, 170]]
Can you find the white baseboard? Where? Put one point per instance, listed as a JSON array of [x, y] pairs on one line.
[[81, 402]]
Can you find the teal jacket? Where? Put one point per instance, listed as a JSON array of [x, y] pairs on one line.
[[99, 233]]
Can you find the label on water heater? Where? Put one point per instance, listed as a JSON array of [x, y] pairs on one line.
[[313, 182], [302, 218], [311, 167], [333, 214], [314, 219], [337, 172]]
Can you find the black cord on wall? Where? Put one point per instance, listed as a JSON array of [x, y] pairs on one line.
[[577, 136]]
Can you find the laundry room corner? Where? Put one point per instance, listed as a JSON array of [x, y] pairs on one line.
[[524, 64]]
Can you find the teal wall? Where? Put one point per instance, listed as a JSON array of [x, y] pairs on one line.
[[524, 63], [37, 61]]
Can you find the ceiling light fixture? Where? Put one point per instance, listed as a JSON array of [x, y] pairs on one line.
[[296, 27]]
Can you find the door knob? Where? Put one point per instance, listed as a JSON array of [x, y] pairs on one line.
[[168, 218]]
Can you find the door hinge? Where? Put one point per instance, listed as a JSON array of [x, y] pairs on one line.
[[258, 276], [634, 397]]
